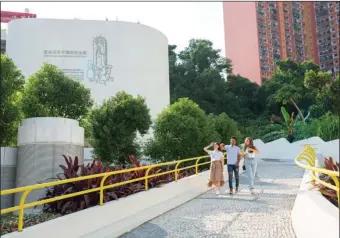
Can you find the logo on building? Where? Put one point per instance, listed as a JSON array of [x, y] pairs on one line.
[[98, 70]]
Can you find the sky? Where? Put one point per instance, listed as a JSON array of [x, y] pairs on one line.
[[179, 21]]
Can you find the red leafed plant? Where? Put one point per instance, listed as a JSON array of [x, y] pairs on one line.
[[328, 193], [74, 170]]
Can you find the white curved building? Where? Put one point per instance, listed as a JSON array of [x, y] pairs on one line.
[[106, 56]]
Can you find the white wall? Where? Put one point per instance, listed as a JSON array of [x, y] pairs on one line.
[[88, 155], [50, 130], [312, 213], [137, 55], [8, 174], [42, 142], [8, 156], [282, 149]]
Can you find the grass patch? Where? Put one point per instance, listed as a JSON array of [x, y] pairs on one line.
[[9, 223]]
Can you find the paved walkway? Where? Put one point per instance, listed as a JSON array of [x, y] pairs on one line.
[[265, 215]]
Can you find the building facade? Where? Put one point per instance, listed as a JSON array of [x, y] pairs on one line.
[[327, 16], [301, 31], [105, 56]]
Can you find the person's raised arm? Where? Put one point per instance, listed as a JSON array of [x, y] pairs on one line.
[[207, 147]]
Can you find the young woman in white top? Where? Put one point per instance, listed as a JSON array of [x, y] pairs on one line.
[[249, 152], [216, 167]]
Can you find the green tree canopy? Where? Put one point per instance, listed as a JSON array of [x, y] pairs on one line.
[[327, 92], [180, 131], [114, 127], [198, 72], [50, 93], [241, 99], [290, 76], [12, 84], [225, 127]]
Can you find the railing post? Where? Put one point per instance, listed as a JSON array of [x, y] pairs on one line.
[[101, 192], [147, 179], [21, 210], [196, 166], [313, 158], [198, 159], [337, 185], [176, 170]]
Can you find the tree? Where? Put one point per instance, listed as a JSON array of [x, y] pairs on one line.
[[287, 88], [290, 76], [241, 102], [327, 92], [11, 87], [225, 127], [50, 93], [202, 56], [180, 131], [115, 125], [198, 72]]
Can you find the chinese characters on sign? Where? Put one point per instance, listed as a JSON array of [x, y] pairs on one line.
[[76, 74], [65, 53], [98, 69]]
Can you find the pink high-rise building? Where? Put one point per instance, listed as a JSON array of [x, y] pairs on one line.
[[257, 34], [241, 40]]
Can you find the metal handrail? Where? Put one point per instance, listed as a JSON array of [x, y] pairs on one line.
[[308, 155], [27, 189]]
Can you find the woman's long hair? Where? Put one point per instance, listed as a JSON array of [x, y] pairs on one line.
[[251, 144], [218, 144]]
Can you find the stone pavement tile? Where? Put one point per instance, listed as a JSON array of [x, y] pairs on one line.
[[242, 215]]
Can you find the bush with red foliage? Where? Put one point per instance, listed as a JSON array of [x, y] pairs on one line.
[[74, 170], [328, 193]]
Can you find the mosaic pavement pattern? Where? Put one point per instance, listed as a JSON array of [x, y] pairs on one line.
[[267, 214]]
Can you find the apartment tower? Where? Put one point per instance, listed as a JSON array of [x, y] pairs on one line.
[[257, 34]]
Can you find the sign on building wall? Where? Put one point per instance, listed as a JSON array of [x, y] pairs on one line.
[[97, 69], [105, 56]]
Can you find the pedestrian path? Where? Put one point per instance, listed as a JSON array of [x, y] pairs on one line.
[[264, 215]]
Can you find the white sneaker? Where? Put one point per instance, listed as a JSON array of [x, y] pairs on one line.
[[218, 193]]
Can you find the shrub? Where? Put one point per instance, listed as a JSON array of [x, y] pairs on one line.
[[272, 132], [114, 125], [180, 131], [51, 93], [74, 170], [326, 127]]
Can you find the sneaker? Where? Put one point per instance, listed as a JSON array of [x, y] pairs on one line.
[[231, 192], [252, 192], [236, 190], [218, 193]]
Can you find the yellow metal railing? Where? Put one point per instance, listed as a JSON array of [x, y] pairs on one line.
[[26, 190], [308, 155]]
